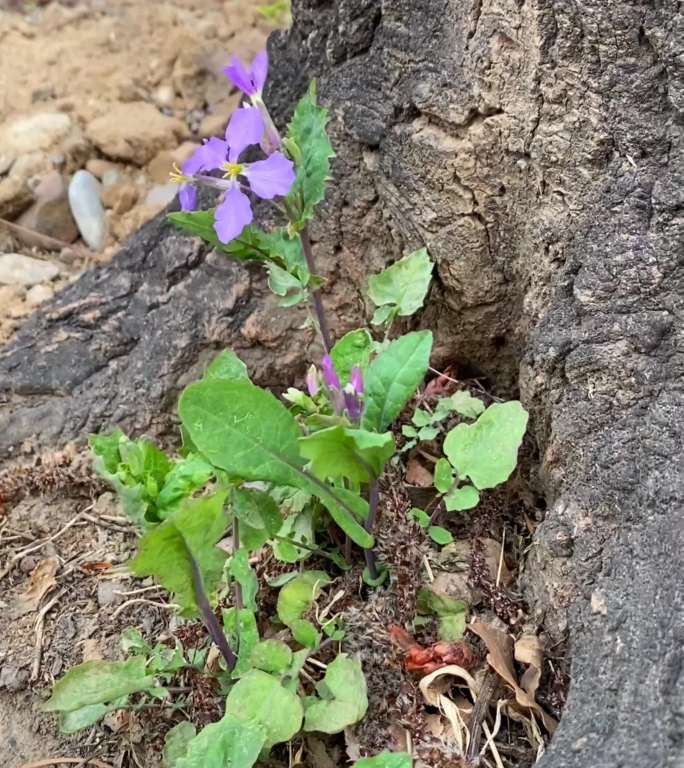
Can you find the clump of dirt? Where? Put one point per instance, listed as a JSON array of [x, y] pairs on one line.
[[121, 89]]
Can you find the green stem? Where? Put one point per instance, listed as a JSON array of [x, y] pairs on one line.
[[315, 294], [369, 525]]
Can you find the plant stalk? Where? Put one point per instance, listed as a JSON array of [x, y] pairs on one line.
[[316, 294], [210, 621], [369, 525]]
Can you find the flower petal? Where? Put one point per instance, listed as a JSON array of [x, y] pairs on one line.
[[330, 376], [208, 157], [356, 380], [232, 215], [239, 76], [187, 195], [259, 71], [246, 127], [272, 177]]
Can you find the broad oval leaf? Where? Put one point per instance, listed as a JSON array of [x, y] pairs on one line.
[[393, 378], [351, 351], [226, 365], [461, 499], [487, 451], [404, 284], [295, 599], [342, 697], [229, 743], [271, 656], [259, 701], [98, 682]]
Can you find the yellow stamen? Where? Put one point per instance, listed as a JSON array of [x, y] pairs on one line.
[[232, 170], [178, 177]]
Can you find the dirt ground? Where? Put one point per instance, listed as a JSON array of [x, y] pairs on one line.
[[117, 87]]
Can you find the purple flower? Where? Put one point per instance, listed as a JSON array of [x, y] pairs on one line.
[[356, 381], [312, 381], [267, 178], [330, 378], [250, 83]]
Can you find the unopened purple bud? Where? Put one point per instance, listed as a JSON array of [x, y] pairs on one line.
[[352, 405], [312, 381], [329, 376], [356, 380]]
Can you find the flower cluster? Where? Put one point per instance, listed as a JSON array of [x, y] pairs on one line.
[[248, 126], [347, 399]]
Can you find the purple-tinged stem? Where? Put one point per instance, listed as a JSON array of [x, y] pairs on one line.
[[369, 525], [210, 621], [316, 294]]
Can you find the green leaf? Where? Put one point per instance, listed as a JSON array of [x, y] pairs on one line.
[[241, 631], [176, 743], [353, 350], [393, 378], [226, 365], [461, 499], [77, 719], [185, 477], [246, 431], [307, 131], [297, 527], [428, 433], [271, 656], [487, 451], [386, 760], [259, 517], [253, 244], [422, 418], [404, 284], [229, 743], [240, 569], [420, 516], [343, 452], [451, 613], [342, 697], [444, 476], [408, 431], [466, 405], [260, 701], [282, 283], [165, 552], [384, 314], [440, 535], [295, 599], [98, 682]]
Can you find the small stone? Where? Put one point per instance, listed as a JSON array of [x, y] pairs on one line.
[[164, 95], [27, 563], [13, 678], [38, 294], [6, 160], [134, 131], [86, 207], [33, 132], [184, 152], [161, 196], [106, 593], [162, 165], [120, 198], [111, 178], [213, 125], [99, 167], [17, 269], [50, 214]]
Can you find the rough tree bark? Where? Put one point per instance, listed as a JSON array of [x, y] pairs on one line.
[[535, 147]]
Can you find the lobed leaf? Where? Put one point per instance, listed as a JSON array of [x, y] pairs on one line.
[[487, 451], [166, 551], [229, 743], [307, 133]]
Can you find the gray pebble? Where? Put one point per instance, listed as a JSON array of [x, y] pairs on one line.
[[17, 269], [87, 209]]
